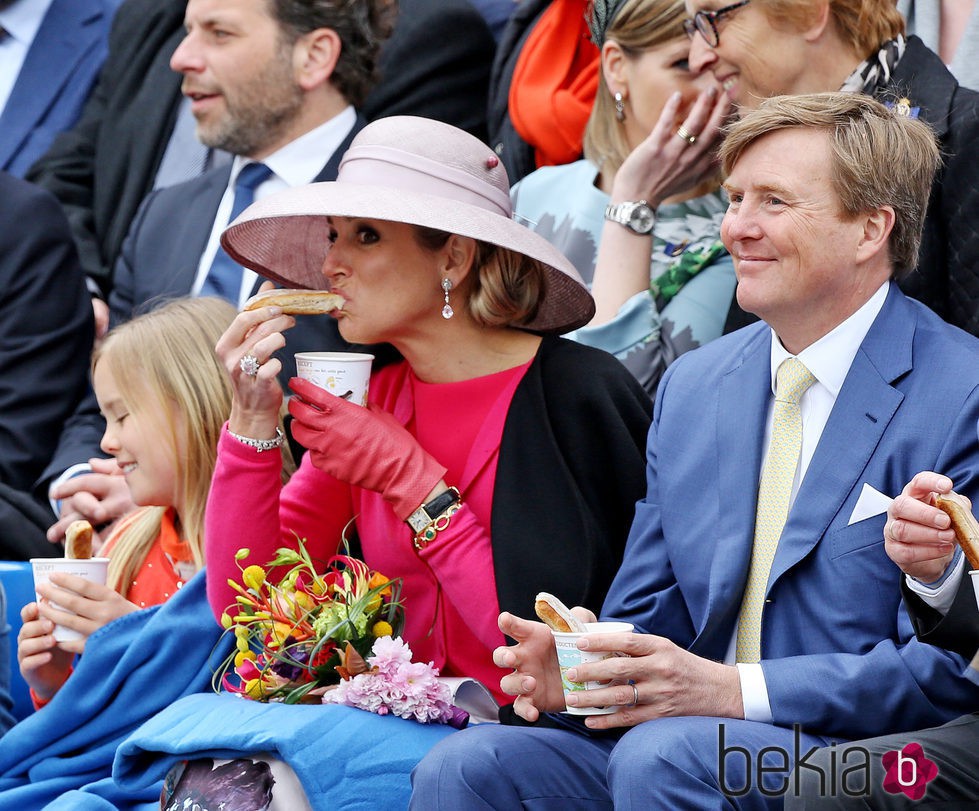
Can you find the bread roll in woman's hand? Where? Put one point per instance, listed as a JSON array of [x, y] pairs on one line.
[[556, 615], [297, 302], [78, 540], [963, 522]]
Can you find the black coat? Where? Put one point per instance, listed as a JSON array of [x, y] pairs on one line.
[[947, 278], [46, 332], [958, 630], [575, 436]]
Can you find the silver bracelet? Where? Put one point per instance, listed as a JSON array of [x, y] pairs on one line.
[[261, 445]]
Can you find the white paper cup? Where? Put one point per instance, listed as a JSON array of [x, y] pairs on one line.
[[975, 583], [345, 374], [94, 569], [569, 655]]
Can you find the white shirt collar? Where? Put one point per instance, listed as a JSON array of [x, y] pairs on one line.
[[23, 19], [301, 160], [829, 359]]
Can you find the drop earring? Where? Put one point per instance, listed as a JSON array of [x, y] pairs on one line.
[[447, 311], [619, 107]]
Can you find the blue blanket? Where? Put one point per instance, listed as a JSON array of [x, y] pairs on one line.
[[61, 757], [344, 757], [141, 695]]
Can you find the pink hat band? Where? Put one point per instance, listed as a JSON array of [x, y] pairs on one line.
[[375, 165]]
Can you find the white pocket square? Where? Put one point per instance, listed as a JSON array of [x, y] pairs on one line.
[[871, 502]]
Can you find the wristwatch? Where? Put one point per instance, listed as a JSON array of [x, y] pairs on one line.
[[636, 216], [425, 515]]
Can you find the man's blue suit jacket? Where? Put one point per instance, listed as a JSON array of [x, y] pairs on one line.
[[57, 76], [838, 649]]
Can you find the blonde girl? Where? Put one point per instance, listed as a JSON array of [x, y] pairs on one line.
[[165, 396]]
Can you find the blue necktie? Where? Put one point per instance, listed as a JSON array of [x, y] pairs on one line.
[[224, 277]]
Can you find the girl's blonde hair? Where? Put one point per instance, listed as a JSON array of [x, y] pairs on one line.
[[164, 365]]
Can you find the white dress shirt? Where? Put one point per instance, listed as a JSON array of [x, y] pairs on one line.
[[829, 359]]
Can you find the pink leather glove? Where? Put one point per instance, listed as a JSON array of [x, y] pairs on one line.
[[366, 447]]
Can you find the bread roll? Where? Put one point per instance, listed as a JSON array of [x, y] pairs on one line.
[[297, 302], [555, 614], [78, 540], [964, 523]]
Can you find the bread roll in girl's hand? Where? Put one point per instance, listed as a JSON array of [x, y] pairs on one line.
[[556, 615], [78, 540], [964, 523], [297, 302]]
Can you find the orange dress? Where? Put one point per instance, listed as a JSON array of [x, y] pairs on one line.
[[167, 566]]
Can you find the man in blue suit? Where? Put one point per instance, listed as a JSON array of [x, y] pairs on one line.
[[51, 52], [276, 85], [715, 703]]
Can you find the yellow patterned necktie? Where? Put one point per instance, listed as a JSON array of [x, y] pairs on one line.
[[791, 382]]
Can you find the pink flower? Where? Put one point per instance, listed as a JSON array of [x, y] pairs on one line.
[[404, 688]]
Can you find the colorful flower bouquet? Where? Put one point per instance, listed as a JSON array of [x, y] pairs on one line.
[[331, 637]]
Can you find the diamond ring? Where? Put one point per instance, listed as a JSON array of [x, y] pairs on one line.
[[249, 365]]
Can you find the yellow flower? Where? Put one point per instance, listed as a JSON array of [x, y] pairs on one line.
[[254, 688], [253, 577], [382, 628], [280, 632], [241, 638], [242, 656], [304, 601], [225, 620]]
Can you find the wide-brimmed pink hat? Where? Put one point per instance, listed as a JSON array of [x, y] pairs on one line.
[[411, 170]]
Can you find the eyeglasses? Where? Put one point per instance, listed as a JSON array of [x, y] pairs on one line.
[[705, 22]]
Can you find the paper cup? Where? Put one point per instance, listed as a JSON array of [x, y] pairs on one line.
[[975, 583], [569, 655], [94, 569], [345, 374]]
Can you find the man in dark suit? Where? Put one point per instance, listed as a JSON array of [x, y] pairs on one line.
[[941, 602], [131, 137], [65, 49], [277, 92], [45, 341], [763, 517]]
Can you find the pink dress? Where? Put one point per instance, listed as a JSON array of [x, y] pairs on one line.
[[449, 589]]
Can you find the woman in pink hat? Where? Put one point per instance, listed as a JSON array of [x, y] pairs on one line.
[[527, 447]]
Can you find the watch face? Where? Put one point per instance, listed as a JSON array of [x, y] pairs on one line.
[[641, 219]]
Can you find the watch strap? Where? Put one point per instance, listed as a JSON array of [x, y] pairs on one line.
[[429, 512]]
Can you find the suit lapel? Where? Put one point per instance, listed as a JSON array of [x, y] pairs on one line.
[[66, 35], [192, 227], [863, 410], [742, 407]]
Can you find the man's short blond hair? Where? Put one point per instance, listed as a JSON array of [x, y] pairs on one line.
[[880, 158]]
